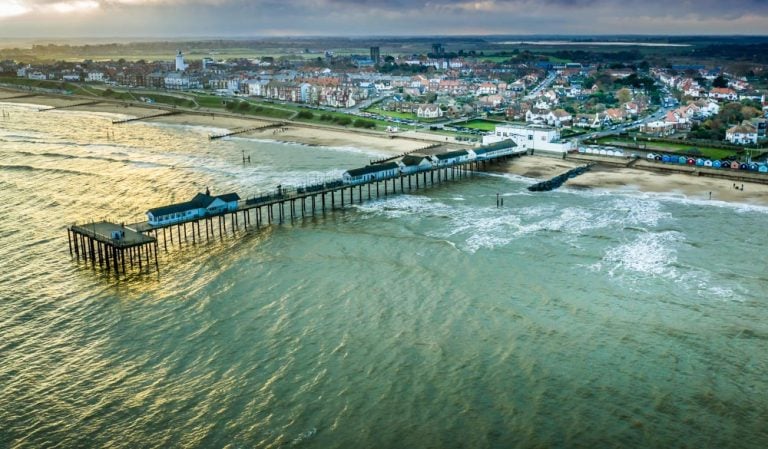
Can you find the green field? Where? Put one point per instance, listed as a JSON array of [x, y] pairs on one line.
[[393, 114], [480, 124]]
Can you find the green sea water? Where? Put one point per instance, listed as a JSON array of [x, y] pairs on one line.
[[574, 318]]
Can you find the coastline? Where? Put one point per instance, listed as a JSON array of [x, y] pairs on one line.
[[312, 135], [612, 178], [602, 176]]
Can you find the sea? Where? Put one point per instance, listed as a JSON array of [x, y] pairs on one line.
[[567, 319]]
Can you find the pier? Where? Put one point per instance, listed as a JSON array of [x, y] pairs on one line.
[[245, 130], [97, 242], [110, 245], [145, 117]]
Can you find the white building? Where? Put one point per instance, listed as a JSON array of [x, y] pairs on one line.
[[180, 65], [530, 138], [176, 80], [743, 134], [371, 173], [202, 205], [429, 111], [95, 77]]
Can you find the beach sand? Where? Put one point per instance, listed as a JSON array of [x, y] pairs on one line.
[[536, 167], [631, 179]]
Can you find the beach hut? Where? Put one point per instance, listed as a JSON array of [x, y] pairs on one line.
[[690, 161], [651, 156], [735, 165], [658, 158], [717, 164], [665, 159], [700, 162], [603, 152], [763, 169], [743, 167], [590, 151], [753, 166], [682, 160], [582, 150], [707, 163]]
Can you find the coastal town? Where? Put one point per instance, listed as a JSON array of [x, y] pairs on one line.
[[706, 109]]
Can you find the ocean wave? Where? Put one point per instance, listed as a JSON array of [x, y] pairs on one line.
[[652, 254], [42, 169]]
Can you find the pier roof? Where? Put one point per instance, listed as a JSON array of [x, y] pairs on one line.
[[200, 201], [451, 154], [372, 169]]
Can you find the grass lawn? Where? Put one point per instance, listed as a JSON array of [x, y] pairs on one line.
[[480, 124], [393, 114]]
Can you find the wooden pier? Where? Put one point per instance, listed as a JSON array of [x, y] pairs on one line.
[[245, 130], [145, 117], [110, 245], [67, 106], [95, 242]]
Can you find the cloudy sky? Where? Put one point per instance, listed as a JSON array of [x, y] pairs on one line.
[[245, 18]]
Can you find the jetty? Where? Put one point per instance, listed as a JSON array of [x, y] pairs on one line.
[[145, 117], [235, 132], [97, 243], [557, 181], [67, 106]]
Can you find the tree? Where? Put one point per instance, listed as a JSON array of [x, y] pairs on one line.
[[624, 95], [720, 81]]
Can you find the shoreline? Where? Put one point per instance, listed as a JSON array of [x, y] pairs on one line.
[[608, 176], [612, 178], [293, 132]]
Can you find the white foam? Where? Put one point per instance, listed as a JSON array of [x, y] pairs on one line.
[[653, 254]]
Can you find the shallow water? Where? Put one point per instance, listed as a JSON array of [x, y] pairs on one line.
[[565, 319]]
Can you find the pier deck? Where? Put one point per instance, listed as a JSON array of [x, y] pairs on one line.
[[111, 244]]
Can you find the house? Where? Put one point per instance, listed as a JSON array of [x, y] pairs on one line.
[[744, 134], [616, 115], [95, 77], [723, 93], [371, 173], [202, 205], [559, 118], [413, 163], [429, 111], [658, 128]]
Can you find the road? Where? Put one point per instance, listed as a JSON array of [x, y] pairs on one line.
[[543, 85]]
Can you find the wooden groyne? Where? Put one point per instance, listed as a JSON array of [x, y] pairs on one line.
[[145, 117], [67, 106], [19, 96], [559, 180], [245, 130]]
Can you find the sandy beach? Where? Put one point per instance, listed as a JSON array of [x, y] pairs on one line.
[[537, 167], [294, 132], [629, 179]]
